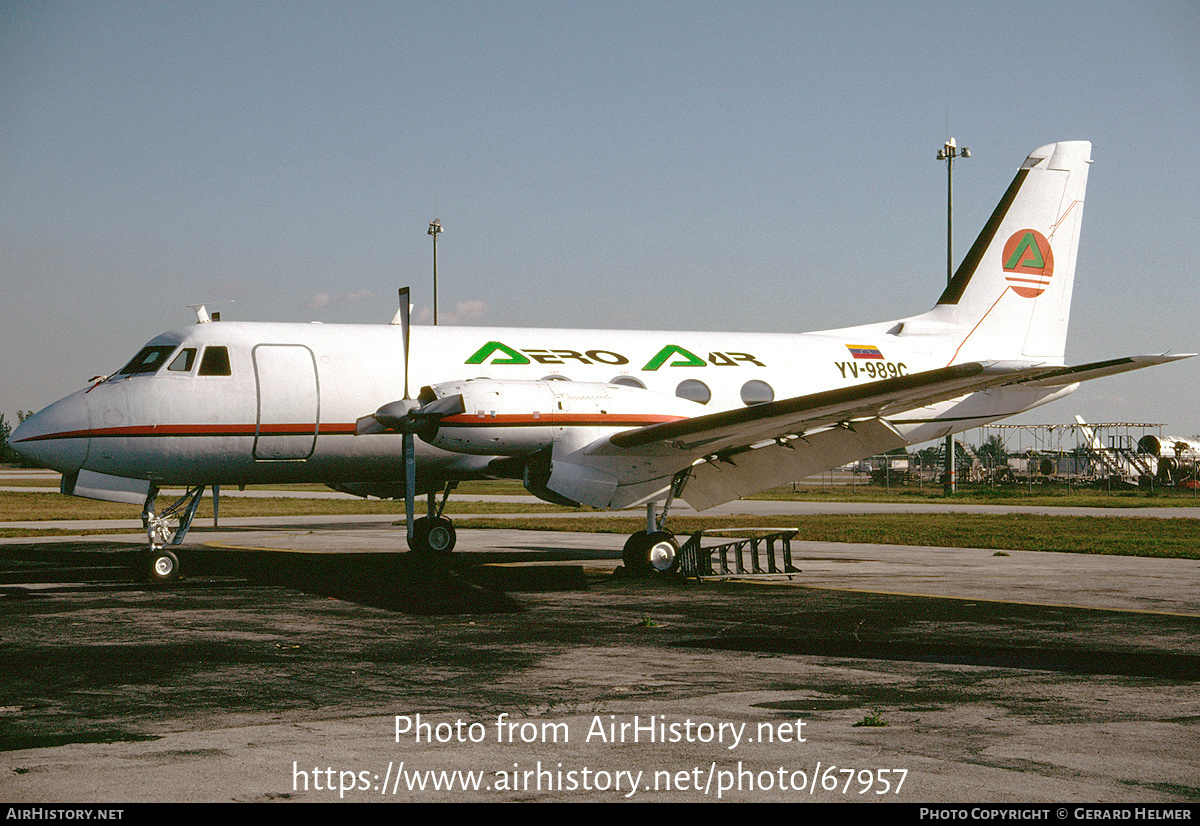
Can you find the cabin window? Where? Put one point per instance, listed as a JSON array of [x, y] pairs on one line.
[[628, 381], [183, 362], [694, 391], [148, 360], [757, 392], [215, 362]]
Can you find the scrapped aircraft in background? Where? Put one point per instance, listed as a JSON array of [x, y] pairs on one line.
[[586, 417], [1176, 447], [1124, 465], [1177, 456], [1170, 459]]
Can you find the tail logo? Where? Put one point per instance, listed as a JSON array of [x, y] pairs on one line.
[[1029, 262]]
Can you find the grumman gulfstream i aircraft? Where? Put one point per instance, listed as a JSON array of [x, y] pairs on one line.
[[587, 417]]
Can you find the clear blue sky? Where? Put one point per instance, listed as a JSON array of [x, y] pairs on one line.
[[677, 165]]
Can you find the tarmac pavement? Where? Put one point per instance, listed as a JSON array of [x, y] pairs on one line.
[[293, 662]]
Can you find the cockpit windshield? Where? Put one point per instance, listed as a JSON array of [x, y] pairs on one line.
[[148, 360]]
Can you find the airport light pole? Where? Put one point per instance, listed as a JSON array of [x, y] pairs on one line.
[[435, 227], [948, 153]]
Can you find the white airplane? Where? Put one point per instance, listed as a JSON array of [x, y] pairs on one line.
[[587, 417]]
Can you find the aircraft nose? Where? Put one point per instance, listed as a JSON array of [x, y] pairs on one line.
[[56, 437]]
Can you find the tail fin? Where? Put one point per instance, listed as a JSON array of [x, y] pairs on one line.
[[1011, 296]]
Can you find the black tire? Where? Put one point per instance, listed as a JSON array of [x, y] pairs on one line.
[[163, 566], [635, 555], [651, 554], [434, 536]]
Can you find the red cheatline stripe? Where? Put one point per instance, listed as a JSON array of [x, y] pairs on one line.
[[556, 419], [348, 429]]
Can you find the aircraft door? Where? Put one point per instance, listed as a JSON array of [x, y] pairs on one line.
[[289, 402]]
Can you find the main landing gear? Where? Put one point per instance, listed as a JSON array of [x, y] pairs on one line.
[[655, 551], [433, 534], [651, 553]]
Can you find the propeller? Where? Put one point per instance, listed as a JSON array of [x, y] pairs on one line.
[[418, 417], [410, 448], [410, 417]]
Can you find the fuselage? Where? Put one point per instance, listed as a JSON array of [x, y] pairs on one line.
[[246, 402]]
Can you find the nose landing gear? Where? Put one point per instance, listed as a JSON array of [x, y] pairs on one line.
[[167, 528]]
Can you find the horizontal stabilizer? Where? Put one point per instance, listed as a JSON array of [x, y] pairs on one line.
[[1098, 369]]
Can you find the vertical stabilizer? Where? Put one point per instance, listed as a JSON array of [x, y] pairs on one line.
[[1011, 296]]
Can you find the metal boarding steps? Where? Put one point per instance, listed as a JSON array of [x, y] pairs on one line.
[[1124, 460], [772, 550]]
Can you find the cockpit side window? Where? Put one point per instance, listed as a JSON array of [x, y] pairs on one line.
[[215, 362], [183, 362], [148, 360]]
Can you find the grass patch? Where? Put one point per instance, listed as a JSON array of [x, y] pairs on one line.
[[1042, 495], [1135, 536], [27, 507], [1123, 536], [872, 720]]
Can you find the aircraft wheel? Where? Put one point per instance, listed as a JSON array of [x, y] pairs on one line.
[[434, 536], [633, 555], [651, 554], [164, 566]]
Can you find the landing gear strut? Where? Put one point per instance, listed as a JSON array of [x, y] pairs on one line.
[[163, 528]]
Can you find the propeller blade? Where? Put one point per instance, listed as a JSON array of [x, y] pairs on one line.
[[365, 425], [395, 415], [404, 330], [410, 481], [445, 406]]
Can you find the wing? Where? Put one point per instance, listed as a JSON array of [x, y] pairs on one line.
[[760, 447], [732, 429]]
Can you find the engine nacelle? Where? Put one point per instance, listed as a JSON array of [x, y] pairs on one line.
[[1150, 444], [567, 483], [519, 418]]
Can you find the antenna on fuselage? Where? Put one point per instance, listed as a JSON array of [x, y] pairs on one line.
[[202, 314], [402, 318]]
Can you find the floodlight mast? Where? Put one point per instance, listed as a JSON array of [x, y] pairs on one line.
[[948, 153], [435, 227]]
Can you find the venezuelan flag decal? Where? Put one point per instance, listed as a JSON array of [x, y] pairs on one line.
[[864, 351]]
